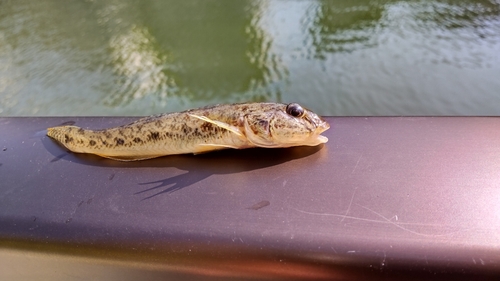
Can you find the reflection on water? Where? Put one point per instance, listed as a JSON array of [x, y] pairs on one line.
[[355, 57], [140, 69], [343, 26], [271, 72], [220, 51]]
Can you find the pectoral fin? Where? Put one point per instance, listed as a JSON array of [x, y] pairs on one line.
[[226, 126], [256, 140]]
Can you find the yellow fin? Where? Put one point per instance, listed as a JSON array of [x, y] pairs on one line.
[[226, 126], [207, 147]]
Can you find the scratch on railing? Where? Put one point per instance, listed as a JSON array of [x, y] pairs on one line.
[[385, 221]]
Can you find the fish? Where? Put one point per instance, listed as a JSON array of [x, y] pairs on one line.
[[226, 126]]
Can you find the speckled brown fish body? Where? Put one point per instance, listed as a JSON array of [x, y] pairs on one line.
[[196, 131]]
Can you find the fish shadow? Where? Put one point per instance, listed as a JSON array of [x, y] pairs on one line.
[[199, 167]]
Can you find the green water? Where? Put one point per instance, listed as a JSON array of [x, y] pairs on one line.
[[356, 57]]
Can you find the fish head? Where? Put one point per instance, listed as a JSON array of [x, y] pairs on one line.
[[286, 126]]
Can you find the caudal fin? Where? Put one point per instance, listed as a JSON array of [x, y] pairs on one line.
[[62, 134]]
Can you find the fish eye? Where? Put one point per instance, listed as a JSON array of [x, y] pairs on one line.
[[295, 110]]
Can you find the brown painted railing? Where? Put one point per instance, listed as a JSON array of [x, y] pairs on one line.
[[386, 197]]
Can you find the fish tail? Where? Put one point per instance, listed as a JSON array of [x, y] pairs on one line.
[[105, 143], [61, 133], [72, 137]]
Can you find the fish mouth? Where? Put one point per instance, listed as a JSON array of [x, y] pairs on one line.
[[323, 126], [321, 139], [313, 140], [320, 129]]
